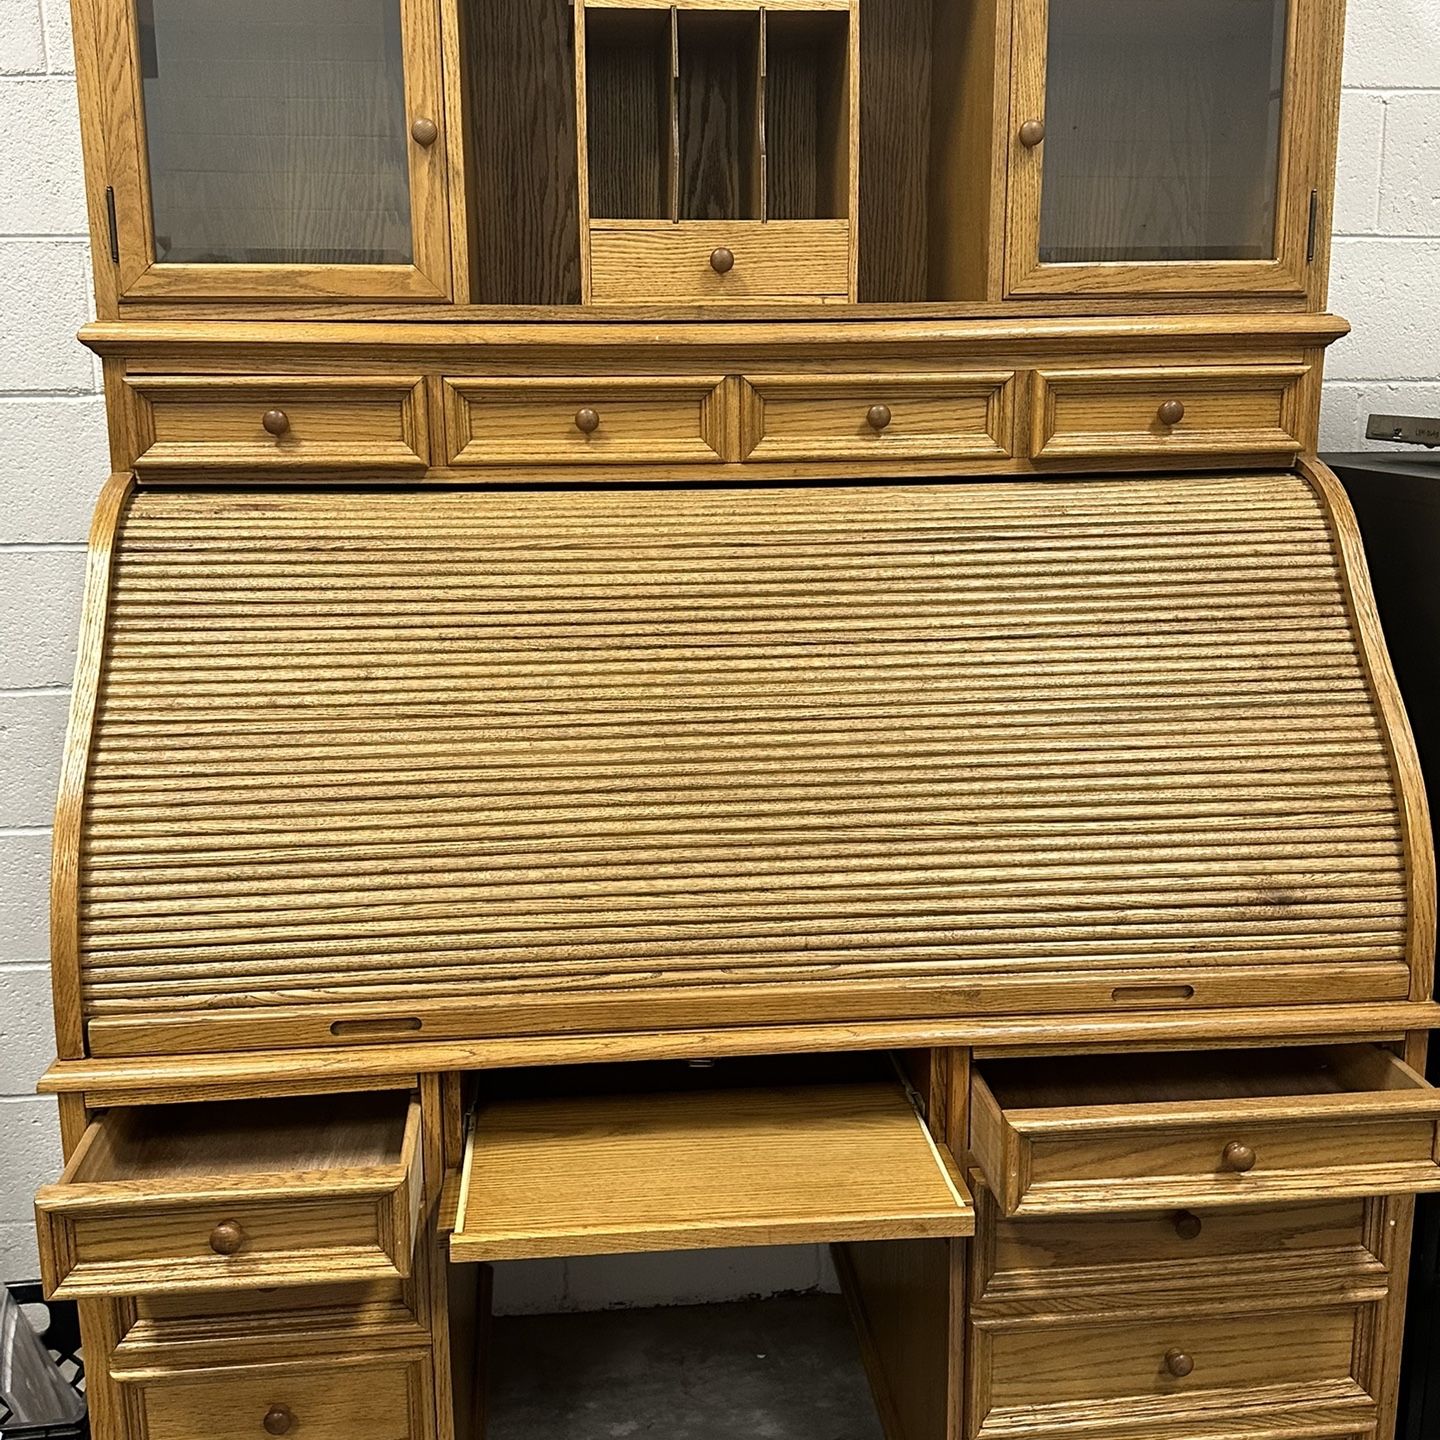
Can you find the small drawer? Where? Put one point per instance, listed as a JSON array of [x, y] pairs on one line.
[[878, 417], [1207, 410], [644, 420], [719, 260], [294, 424], [1172, 1376], [1114, 1133], [1117, 1261], [383, 1396], [233, 1195]]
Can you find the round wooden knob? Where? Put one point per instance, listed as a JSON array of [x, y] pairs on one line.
[[279, 1420], [1172, 412], [1187, 1225], [1237, 1157], [1032, 132], [1178, 1363], [878, 417], [226, 1238], [587, 421], [424, 132], [722, 261], [277, 422]]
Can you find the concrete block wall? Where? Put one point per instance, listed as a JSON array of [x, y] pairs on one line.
[[52, 460]]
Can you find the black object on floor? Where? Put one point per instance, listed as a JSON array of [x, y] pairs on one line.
[[42, 1374]]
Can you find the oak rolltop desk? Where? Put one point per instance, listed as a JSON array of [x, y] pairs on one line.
[[715, 625]]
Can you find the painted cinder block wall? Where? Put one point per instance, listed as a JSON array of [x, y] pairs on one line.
[[1386, 280]]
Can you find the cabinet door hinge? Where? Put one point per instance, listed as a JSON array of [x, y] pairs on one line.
[[114, 226], [1314, 226]]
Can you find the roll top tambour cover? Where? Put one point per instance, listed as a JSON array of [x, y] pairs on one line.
[[484, 762]]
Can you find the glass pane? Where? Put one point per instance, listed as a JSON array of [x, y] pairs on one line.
[[1162, 130], [276, 131]]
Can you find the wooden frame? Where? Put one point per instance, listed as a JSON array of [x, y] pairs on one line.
[[141, 276], [1311, 34]]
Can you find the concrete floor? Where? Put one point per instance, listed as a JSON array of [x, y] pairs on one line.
[[781, 1369]]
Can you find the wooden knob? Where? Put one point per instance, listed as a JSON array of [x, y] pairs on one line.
[[587, 421], [226, 1238], [878, 417], [1237, 1157], [424, 132], [1172, 412], [722, 261], [277, 422], [1032, 132], [1187, 1225], [279, 1420], [1178, 1363]]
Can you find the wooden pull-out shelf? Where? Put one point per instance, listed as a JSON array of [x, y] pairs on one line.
[[177, 1198], [618, 1173], [1113, 1133]]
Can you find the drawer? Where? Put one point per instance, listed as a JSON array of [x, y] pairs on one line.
[[1206, 410], [1216, 1128], [221, 1196], [1324, 1248], [1173, 1376], [648, 420], [382, 1396], [863, 417], [294, 424], [636, 264]]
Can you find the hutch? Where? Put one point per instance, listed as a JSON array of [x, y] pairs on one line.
[[716, 624]]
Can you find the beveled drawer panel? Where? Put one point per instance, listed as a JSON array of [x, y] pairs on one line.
[[1115, 1133], [382, 1396], [881, 416], [286, 424], [176, 1199], [1171, 1375], [622, 420], [638, 263], [1228, 410]]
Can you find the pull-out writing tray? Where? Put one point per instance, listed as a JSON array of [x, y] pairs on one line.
[[615, 1173]]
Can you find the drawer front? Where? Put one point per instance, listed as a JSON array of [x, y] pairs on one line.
[[188, 424], [341, 1203], [862, 417], [1243, 1128], [1042, 1379], [1204, 411], [773, 260], [585, 422], [382, 1397]]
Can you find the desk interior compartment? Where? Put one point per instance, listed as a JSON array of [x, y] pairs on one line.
[[660, 1157], [195, 1197], [1082, 1134]]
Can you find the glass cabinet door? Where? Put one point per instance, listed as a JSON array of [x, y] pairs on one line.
[[286, 148], [1159, 147]]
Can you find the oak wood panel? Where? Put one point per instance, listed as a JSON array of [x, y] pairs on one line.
[[1294, 878], [532, 420], [613, 1174], [330, 1397], [949, 417], [1083, 414], [195, 423], [310, 1189], [781, 259], [1135, 1131]]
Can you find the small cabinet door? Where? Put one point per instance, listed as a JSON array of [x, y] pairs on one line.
[[1164, 147], [277, 149]]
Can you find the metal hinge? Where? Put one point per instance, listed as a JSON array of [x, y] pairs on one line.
[[111, 221], [1314, 226]]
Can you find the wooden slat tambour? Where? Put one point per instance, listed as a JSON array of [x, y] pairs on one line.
[[600, 760]]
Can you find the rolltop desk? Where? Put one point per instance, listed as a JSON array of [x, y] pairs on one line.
[[716, 624]]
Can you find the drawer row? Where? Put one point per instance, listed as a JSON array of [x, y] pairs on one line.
[[392, 424]]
